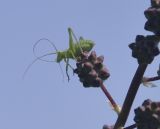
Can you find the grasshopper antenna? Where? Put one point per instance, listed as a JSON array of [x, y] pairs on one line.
[[35, 45], [29, 66], [41, 57]]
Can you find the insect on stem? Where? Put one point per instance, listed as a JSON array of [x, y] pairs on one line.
[[76, 47]]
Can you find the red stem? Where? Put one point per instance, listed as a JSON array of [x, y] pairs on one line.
[[108, 95], [153, 78]]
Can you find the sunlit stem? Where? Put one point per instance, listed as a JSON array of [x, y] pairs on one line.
[[113, 103]]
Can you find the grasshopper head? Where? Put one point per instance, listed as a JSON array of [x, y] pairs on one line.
[[87, 45]]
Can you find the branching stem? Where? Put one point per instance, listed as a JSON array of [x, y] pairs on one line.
[[136, 81], [153, 78]]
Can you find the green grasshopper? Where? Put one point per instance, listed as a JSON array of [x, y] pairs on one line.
[[76, 47]]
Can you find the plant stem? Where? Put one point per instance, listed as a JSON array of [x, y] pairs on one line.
[[136, 81], [153, 78], [108, 95]]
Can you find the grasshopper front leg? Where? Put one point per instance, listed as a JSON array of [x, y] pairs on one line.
[[66, 60], [67, 64]]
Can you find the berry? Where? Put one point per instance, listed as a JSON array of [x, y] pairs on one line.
[[87, 67], [104, 74], [93, 74]]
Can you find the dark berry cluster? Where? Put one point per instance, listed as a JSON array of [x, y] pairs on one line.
[[147, 116], [153, 17], [145, 48], [90, 69]]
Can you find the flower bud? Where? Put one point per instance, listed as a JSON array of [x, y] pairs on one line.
[[87, 67], [92, 56], [100, 59], [93, 74], [104, 74], [147, 102], [98, 66], [155, 3]]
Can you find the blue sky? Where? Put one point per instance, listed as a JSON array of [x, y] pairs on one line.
[[43, 100]]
